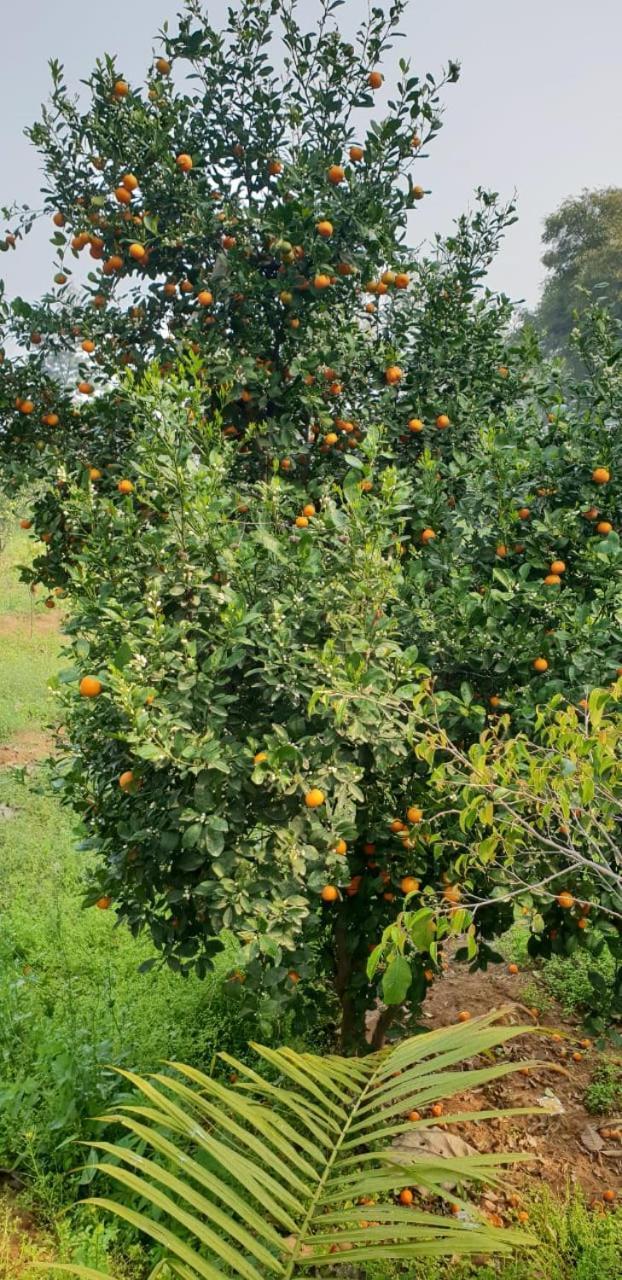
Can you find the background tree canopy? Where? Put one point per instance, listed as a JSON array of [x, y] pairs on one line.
[[583, 242]]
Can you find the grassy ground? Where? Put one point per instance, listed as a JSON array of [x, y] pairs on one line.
[[73, 1002], [29, 646]]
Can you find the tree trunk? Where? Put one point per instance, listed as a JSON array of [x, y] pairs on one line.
[[352, 1028]]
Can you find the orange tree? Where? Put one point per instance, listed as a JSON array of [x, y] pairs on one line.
[[249, 233]]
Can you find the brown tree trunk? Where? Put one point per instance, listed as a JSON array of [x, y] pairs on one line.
[[352, 1028]]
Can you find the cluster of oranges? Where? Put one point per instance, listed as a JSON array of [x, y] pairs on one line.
[[408, 884]]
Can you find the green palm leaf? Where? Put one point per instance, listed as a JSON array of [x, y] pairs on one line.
[[264, 1178]]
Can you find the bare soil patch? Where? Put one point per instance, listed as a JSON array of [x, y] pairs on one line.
[[38, 621], [26, 748], [567, 1148]]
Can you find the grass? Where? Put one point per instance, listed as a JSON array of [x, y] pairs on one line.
[[565, 980], [29, 652]]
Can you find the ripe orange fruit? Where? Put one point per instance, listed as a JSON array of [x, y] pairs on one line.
[[409, 884], [123, 196], [301, 522], [331, 438], [601, 475], [604, 527], [88, 345], [427, 535], [324, 228], [137, 251], [523, 1216], [121, 89], [129, 181], [293, 976], [314, 798], [103, 903], [329, 893], [308, 510], [414, 813], [275, 167], [321, 281], [336, 174], [582, 922], [51, 419], [397, 825], [452, 893], [414, 1116], [25, 524], [402, 280], [341, 847], [94, 473], [512, 968], [523, 513], [503, 371], [126, 780], [418, 193], [125, 486], [228, 242], [443, 421], [540, 664], [406, 1196], [609, 1196], [162, 66], [415, 424], [259, 757], [501, 550], [26, 406], [393, 374], [437, 1109], [558, 566], [565, 900], [205, 298], [494, 700], [86, 388], [375, 79], [184, 162], [464, 1016], [552, 580], [90, 687], [59, 219], [356, 154]]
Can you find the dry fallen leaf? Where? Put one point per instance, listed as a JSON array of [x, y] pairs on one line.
[[591, 1140]]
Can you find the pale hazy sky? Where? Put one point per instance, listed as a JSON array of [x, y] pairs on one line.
[[538, 108]]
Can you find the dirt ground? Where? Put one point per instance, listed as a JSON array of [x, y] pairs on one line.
[[568, 1148], [25, 748]]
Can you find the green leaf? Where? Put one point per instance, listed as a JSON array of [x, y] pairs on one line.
[[396, 981]]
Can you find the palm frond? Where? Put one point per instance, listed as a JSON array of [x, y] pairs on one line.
[[267, 1177]]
